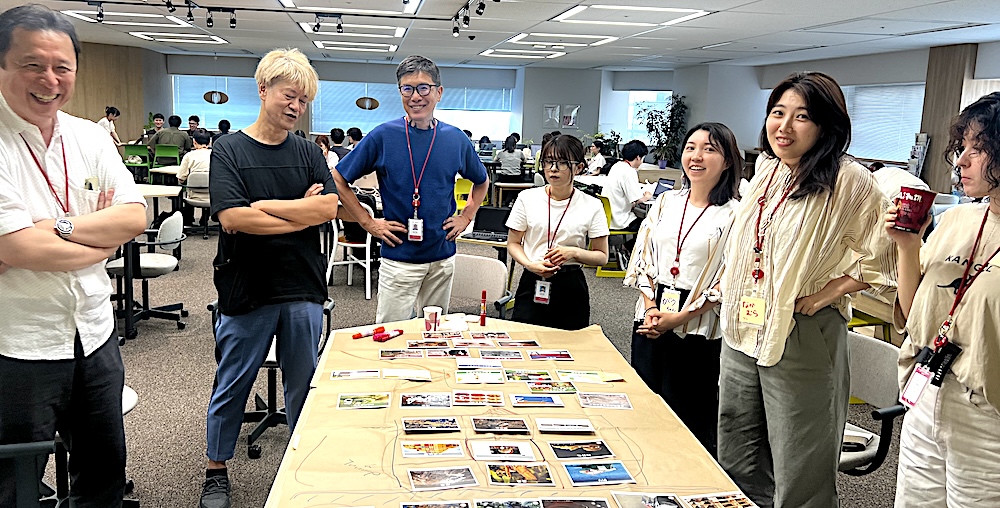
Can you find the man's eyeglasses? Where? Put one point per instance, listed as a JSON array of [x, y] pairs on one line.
[[422, 89], [548, 164]]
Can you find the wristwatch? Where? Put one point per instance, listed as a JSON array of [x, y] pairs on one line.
[[64, 228]]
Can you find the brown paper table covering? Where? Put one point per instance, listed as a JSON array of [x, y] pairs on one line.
[[345, 458]]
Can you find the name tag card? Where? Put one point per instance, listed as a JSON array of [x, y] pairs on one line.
[[752, 310]]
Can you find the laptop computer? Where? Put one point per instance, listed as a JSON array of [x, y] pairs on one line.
[[490, 225], [663, 185]]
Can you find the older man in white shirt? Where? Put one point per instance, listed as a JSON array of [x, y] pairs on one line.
[[66, 203]]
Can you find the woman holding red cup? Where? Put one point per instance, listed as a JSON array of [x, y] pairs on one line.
[[949, 304]]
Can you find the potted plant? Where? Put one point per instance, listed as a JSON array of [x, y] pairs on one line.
[[666, 129], [611, 142]]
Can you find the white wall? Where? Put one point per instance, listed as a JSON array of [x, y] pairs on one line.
[[988, 61], [877, 69], [642, 80], [692, 83], [560, 86], [157, 88], [613, 115], [737, 101]]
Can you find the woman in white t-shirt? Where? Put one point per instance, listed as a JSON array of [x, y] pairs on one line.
[[549, 230], [675, 345], [331, 157], [111, 114]]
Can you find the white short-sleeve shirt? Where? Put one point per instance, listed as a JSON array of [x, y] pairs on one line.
[[107, 124], [622, 190], [583, 221], [42, 311]]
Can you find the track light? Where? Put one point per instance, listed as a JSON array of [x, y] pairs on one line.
[[100, 13], [316, 27], [170, 6], [340, 25], [406, 2], [209, 22], [481, 8], [190, 15], [454, 27], [465, 19], [232, 20]]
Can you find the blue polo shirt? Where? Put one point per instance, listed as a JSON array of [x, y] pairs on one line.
[[384, 151]]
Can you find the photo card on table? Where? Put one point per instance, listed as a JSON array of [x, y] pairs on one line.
[[564, 425], [590, 449], [583, 474], [575, 502], [529, 473], [477, 363], [517, 343], [527, 375], [432, 449], [551, 387], [720, 500], [400, 354], [506, 451], [440, 478], [549, 354], [435, 504], [441, 335], [646, 500], [588, 376], [427, 344], [489, 335], [447, 353], [355, 374], [477, 398], [508, 503], [507, 425], [408, 374], [363, 400], [430, 400], [488, 376], [531, 400], [604, 400], [439, 424], [473, 343], [501, 354]]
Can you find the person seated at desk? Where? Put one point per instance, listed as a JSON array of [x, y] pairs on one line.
[[158, 121], [891, 178], [624, 192], [195, 161], [172, 135], [224, 127], [510, 162], [551, 243], [597, 160]]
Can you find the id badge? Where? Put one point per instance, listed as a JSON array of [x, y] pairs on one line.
[[415, 230], [752, 310], [91, 183], [670, 300], [543, 291], [915, 386]]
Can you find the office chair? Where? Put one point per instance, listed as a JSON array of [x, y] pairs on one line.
[[613, 269], [267, 414], [29, 459], [463, 189], [166, 155], [140, 170], [873, 380], [473, 274], [349, 258], [198, 182]]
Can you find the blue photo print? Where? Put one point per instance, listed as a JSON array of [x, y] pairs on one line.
[[593, 473]]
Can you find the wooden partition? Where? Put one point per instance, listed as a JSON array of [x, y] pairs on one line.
[[110, 76], [948, 69]]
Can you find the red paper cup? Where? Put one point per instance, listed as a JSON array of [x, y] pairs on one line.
[[432, 318], [914, 204]]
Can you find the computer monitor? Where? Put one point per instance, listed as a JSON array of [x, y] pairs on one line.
[[535, 149], [663, 185]]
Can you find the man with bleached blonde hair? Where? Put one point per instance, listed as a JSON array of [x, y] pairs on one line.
[[270, 192]]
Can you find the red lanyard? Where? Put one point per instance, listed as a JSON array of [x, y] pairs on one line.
[[64, 205], [413, 169], [549, 234], [942, 338], [676, 270], [758, 248]]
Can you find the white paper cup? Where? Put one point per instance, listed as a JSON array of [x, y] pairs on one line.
[[432, 318]]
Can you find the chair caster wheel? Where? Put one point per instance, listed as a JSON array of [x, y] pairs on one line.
[[181, 325], [254, 451], [121, 341], [129, 487], [184, 313]]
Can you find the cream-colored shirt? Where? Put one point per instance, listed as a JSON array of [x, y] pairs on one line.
[[41, 312], [890, 179], [808, 243], [977, 319]]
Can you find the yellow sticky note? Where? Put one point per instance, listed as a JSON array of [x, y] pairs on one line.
[[752, 310]]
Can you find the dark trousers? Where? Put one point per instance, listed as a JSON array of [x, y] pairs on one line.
[[82, 400], [569, 300], [685, 373]]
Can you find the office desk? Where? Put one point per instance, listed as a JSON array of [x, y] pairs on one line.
[[500, 186], [352, 457], [652, 175], [161, 191], [167, 175]]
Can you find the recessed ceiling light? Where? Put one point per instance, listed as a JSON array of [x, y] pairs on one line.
[[373, 47], [601, 39], [109, 19], [288, 4], [710, 46], [521, 53], [171, 38], [688, 14]]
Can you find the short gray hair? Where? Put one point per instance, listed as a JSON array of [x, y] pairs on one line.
[[416, 63], [33, 18]]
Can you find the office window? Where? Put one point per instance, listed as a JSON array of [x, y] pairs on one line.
[[241, 110], [638, 100], [884, 119], [476, 109]]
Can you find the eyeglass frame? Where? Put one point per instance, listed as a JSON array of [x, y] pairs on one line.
[[548, 164], [416, 88]]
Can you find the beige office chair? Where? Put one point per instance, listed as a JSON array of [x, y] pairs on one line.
[[473, 274], [349, 258], [873, 380], [152, 265], [196, 195]]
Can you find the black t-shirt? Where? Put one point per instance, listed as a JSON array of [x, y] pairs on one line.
[[256, 270]]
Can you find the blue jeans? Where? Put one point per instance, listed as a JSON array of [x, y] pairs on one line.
[[243, 342]]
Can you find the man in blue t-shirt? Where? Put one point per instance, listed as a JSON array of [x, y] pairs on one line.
[[416, 160]]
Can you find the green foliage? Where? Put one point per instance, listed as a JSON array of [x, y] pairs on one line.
[[611, 142], [149, 122], [666, 128]]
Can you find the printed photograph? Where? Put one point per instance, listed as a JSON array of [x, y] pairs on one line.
[[444, 353], [445, 424], [441, 335], [534, 473], [516, 343], [646, 500], [396, 354], [435, 504], [507, 503], [476, 398], [593, 473], [427, 344], [595, 449], [510, 425], [604, 400], [477, 363], [442, 478], [526, 400], [564, 425], [500, 354], [473, 343], [410, 374], [502, 450], [550, 354], [479, 376], [551, 387], [432, 400], [363, 400], [720, 500], [527, 375], [489, 335], [584, 376], [354, 374], [431, 449], [549, 502]]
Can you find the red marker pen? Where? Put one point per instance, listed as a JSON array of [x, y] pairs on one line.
[[368, 332], [382, 337]]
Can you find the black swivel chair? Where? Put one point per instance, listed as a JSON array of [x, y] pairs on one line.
[[29, 459]]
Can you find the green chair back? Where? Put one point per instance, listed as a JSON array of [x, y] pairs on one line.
[[166, 155]]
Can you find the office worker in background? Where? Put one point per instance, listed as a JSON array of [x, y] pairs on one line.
[[224, 127], [66, 204], [270, 192], [678, 252], [597, 161], [549, 230], [624, 192], [331, 157], [354, 137], [193, 124], [949, 449], [172, 135], [337, 137], [111, 114], [158, 122], [417, 185], [808, 233], [510, 162], [196, 161]]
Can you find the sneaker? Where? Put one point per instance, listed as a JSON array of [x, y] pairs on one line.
[[215, 492]]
